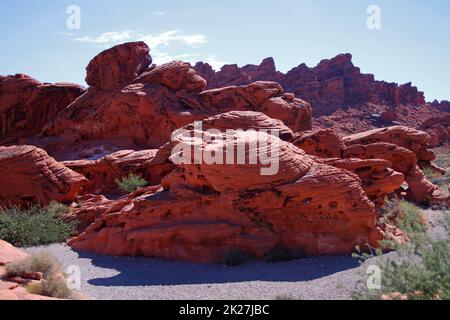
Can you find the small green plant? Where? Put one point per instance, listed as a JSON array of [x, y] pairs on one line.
[[35, 225], [131, 183], [430, 173], [234, 258], [42, 262], [405, 215]]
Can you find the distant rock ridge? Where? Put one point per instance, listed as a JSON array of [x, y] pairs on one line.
[[332, 84]]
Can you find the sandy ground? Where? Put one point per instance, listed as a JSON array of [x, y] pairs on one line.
[[324, 278]]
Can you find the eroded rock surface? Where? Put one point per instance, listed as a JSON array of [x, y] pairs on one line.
[[26, 105], [30, 176], [201, 212]]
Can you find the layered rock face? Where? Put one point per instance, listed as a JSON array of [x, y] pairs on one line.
[[438, 128], [103, 174], [331, 85], [374, 155], [26, 105], [145, 112], [30, 176], [343, 99], [201, 212], [406, 149]]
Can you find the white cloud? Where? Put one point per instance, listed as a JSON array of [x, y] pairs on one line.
[[160, 58], [160, 44], [108, 37], [160, 13], [166, 38], [154, 41]]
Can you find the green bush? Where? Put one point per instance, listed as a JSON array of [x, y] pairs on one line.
[[35, 225], [131, 183], [405, 215], [420, 270]]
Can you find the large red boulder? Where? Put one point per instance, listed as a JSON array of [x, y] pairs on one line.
[[201, 212], [118, 66], [30, 176], [26, 105], [144, 113]]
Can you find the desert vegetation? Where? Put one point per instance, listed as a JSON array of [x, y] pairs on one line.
[[53, 283], [35, 225], [131, 183], [420, 268]]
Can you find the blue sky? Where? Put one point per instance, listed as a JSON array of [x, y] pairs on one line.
[[413, 43]]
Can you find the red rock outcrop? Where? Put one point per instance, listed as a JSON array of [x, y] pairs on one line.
[[232, 75], [415, 140], [403, 160], [26, 105], [102, 174], [321, 143], [118, 66], [378, 178], [439, 130], [29, 176], [331, 85], [201, 212], [162, 99]]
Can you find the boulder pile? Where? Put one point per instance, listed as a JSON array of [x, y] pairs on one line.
[[265, 178]]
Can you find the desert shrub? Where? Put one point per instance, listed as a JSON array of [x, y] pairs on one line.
[[54, 283], [42, 262], [419, 271], [35, 225], [54, 287], [234, 258], [405, 215], [131, 183], [282, 254], [430, 173]]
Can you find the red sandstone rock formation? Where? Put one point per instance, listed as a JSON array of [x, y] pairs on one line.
[[331, 85], [378, 179], [203, 211], [321, 143], [26, 105], [439, 130], [232, 75], [118, 66], [29, 176], [405, 148], [102, 174], [157, 102], [342, 98]]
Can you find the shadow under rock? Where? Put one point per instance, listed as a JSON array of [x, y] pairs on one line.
[[152, 272]]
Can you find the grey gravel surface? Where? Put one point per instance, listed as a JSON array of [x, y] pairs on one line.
[[104, 277]]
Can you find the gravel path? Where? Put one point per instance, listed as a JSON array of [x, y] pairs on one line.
[[104, 277]]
